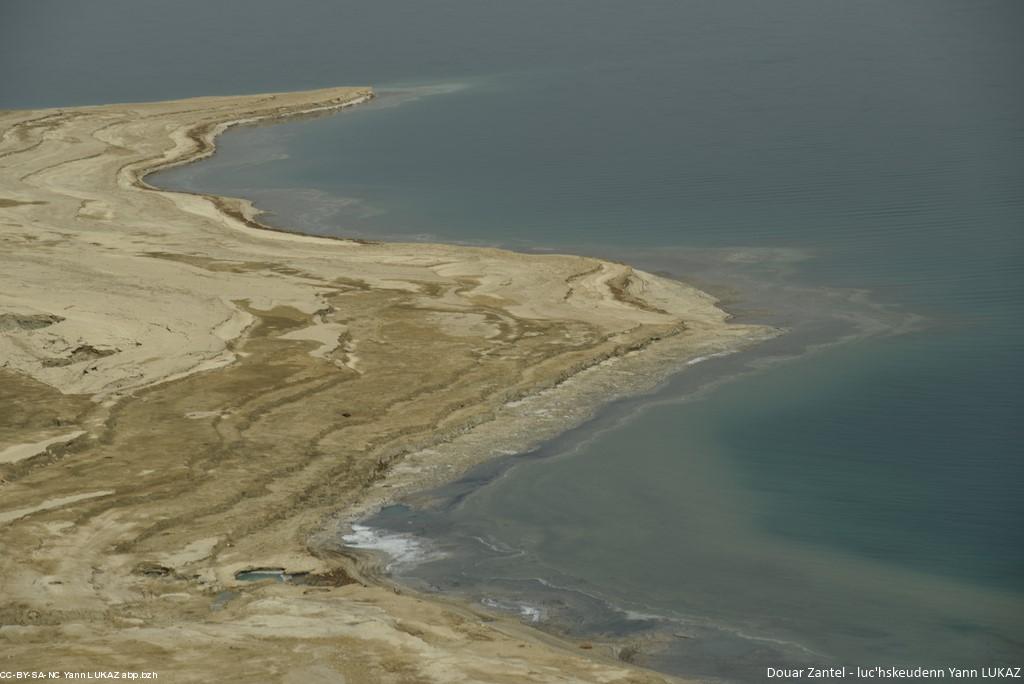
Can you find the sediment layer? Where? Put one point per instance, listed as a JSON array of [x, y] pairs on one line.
[[184, 395]]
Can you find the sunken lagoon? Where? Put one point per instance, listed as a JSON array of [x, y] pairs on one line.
[[845, 494]]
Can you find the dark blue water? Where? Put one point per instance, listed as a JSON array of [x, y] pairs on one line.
[[860, 504]]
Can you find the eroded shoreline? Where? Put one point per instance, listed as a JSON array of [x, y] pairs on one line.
[[234, 387]]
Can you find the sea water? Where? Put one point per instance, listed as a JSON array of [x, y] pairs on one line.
[[848, 493]]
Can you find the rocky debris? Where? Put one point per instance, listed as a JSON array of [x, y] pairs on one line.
[[153, 570], [12, 322], [81, 353]]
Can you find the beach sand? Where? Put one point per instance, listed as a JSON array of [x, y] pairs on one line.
[[185, 394]]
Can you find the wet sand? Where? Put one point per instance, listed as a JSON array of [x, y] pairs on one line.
[[185, 395]]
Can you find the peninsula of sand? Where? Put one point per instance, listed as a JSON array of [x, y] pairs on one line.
[[185, 395]]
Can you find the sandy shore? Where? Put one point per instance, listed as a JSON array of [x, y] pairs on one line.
[[184, 395]]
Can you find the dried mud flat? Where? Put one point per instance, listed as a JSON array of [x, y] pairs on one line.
[[185, 395]]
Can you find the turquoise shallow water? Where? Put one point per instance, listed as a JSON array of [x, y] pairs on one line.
[[858, 504]]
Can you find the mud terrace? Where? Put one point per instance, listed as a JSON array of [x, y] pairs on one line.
[[185, 395]]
